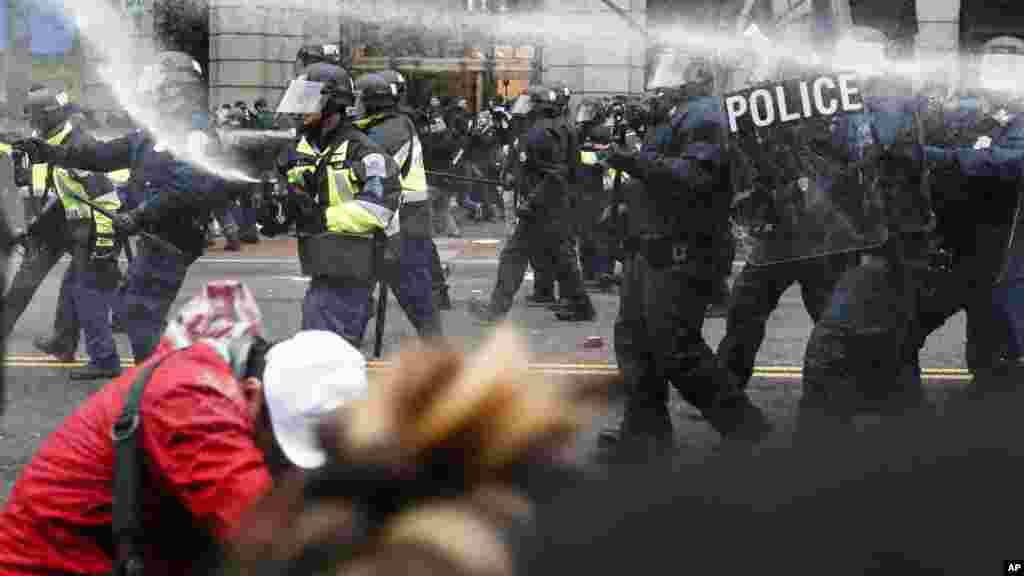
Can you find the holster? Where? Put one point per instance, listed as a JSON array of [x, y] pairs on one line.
[[341, 256], [661, 252]]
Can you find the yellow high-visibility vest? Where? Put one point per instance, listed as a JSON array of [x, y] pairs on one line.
[[344, 214]]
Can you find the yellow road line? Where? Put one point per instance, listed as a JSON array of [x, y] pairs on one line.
[[43, 361]]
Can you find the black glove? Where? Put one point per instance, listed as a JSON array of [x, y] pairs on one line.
[[622, 158], [37, 150], [127, 223]]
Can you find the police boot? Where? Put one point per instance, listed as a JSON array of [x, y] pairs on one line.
[[441, 298], [643, 433], [581, 310], [50, 345], [250, 236], [738, 420], [93, 372]]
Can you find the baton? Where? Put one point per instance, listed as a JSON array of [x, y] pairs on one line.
[[151, 237], [464, 178], [382, 309]]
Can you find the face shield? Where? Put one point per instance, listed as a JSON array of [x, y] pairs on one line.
[[484, 120], [302, 97], [669, 71], [586, 112], [1000, 73], [522, 106]]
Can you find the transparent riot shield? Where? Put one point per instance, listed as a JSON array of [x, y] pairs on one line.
[[805, 162]]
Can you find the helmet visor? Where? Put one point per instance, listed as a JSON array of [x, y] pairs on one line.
[[302, 97], [1002, 72], [669, 71], [522, 106]]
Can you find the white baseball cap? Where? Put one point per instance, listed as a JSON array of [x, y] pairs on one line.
[[307, 376]]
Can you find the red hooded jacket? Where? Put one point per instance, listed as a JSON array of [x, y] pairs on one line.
[[204, 469]]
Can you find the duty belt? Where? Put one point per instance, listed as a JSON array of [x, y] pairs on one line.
[[660, 252]]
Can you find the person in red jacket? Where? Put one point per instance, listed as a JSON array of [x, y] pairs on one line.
[[219, 421]]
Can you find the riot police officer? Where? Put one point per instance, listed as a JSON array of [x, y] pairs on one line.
[[676, 211], [343, 195], [860, 356], [89, 283], [547, 152], [439, 144], [758, 287], [540, 257], [593, 196], [410, 278], [976, 154], [177, 196], [442, 300]]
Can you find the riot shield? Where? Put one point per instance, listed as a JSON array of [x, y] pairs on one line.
[[808, 156]]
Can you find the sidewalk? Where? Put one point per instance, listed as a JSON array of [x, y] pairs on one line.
[[287, 248], [479, 242]]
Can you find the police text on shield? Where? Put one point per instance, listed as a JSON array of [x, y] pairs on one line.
[[792, 100]]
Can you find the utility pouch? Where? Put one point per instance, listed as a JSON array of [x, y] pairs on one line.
[[339, 256]]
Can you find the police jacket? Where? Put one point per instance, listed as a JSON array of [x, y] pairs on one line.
[[683, 190], [87, 230], [350, 186], [548, 154], [974, 173], [396, 134], [177, 197]]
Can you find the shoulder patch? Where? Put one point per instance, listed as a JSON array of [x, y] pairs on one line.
[[375, 165]]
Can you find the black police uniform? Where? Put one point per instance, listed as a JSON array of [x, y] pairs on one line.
[[676, 215], [547, 153], [859, 356], [974, 218]]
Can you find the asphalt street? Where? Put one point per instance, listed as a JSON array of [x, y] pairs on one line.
[[40, 395]]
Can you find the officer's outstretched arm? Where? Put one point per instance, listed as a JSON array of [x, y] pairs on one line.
[[96, 155], [995, 162], [696, 165], [188, 187]]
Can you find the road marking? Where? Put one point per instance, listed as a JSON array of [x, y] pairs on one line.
[[39, 360]]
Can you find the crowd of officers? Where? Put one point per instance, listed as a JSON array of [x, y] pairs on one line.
[[646, 183]]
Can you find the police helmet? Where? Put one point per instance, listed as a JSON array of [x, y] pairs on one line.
[[47, 109], [337, 94], [563, 93], [375, 93], [590, 111], [172, 83], [543, 99], [395, 77], [313, 53], [521, 105], [1002, 65]]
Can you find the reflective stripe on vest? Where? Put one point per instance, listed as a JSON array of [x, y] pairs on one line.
[[39, 170], [120, 177], [105, 237], [414, 185], [344, 214]]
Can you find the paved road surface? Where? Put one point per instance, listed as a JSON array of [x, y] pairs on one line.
[[40, 394]]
